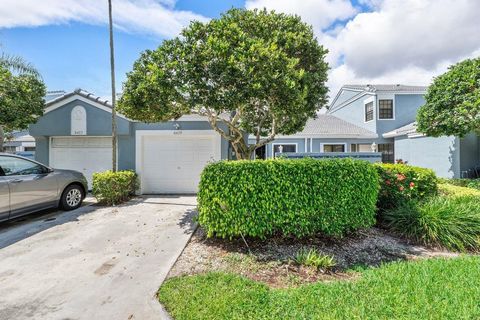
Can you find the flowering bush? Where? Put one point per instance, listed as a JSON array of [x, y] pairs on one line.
[[400, 183]]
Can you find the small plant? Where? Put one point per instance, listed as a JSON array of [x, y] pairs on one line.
[[312, 258], [450, 222]]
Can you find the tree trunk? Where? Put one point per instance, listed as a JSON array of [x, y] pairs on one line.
[[242, 150], [2, 138], [112, 73]]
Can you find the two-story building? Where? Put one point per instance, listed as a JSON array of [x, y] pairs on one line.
[[74, 133]]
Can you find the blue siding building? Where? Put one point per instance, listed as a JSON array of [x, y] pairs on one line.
[[74, 133]]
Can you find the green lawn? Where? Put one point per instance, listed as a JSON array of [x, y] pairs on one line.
[[427, 289]]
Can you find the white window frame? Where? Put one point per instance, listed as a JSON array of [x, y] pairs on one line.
[[283, 144], [322, 145], [365, 102], [386, 97]]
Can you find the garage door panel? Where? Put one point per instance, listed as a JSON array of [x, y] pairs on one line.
[[84, 154], [173, 164]]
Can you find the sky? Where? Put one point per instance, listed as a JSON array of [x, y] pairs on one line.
[[369, 41]]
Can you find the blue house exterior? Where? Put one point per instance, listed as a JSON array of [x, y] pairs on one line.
[[75, 133]]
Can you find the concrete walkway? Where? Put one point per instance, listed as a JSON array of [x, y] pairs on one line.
[[93, 263]]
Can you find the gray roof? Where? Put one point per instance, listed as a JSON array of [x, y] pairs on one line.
[[385, 87], [408, 129], [326, 125], [82, 93]]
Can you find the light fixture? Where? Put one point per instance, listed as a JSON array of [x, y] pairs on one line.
[[374, 147], [176, 126]]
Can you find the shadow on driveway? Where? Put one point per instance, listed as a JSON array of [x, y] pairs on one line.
[[23, 227]]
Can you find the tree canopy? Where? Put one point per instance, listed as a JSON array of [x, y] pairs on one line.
[[453, 102], [21, 100], [254, 73]]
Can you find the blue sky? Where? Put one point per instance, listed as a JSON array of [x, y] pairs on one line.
[[370, 41]]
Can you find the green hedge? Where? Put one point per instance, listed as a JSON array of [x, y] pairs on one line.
[[401, 183], [112, 188], [288, 197]]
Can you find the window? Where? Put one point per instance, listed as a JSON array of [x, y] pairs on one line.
[[260, 153], [387, 151], [359, 147], [286, 147], [369, 111], [334, 148], [29, 149], [385, 109], [14, 166]]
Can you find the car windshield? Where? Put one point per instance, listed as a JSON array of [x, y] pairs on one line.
[[13, 166]]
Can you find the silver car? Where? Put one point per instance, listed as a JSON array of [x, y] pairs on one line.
[[27, 186]]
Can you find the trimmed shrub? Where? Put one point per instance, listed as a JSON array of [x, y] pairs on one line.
[[401, 183], [450, 222], [288, 197], [112, 188]]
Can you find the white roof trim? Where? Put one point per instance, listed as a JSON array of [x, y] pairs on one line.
[[322, 136], [61, 102]]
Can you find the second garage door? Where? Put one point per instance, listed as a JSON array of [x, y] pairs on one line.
[[172, 163], [84, 154]]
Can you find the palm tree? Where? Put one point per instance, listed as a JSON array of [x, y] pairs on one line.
[[17, 64], [112, 73]]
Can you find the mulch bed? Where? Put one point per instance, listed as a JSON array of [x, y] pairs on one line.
[[271, 261]]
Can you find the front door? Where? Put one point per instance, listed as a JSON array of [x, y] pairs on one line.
[[4, 199], [32, 186]]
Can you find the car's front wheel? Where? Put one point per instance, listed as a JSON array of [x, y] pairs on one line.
[[72, 197]]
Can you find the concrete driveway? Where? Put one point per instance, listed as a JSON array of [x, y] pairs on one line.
[[93, 262]]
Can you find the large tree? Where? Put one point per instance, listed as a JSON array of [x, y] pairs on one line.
[[21, 95], [249, 72], [452, 104]]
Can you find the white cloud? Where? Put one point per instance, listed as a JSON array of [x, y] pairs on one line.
[[408, 41], [319, 13], [147, 16]]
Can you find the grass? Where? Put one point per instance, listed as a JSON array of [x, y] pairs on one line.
[[312, 258], [426, 289], [450, 222]]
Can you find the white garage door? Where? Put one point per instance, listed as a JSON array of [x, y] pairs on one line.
[[169, 163], [84, 154]]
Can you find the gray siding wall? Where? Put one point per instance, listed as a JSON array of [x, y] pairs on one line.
[[439, 154], [469, 152], [354, 112], [57, 123], [406, 106], [344, 96]]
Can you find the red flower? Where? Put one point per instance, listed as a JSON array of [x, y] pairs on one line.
[[412, 185], [401, 188], [388, 182], [400, 177]]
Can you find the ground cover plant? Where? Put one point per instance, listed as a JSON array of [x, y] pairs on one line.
[[452, 222], [287, 197], [426, 289], [312, 258]]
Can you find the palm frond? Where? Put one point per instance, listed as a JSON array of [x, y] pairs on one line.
[[17, 64]]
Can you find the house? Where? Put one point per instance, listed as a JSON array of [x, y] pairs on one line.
[[20, 142], [74, 133], [390, 111]]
